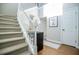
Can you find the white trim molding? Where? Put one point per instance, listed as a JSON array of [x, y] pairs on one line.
[[52, 44]]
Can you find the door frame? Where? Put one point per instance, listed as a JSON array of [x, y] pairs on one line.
[[61, 38]]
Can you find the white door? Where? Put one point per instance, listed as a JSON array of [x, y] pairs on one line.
[[69, 28]]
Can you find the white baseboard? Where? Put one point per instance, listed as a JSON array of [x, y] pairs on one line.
[[56, 41], [52, 45]]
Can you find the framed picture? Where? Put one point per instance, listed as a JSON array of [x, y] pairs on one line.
[[53, 21]]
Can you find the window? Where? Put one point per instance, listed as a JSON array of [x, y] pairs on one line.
[[52, 9]]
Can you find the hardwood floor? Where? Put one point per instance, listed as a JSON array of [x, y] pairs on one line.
[[63, 50]]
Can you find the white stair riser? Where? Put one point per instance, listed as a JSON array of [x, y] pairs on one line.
[[4, 20], [4, 23], [8, 22], [9, 30], [10, 36], [8, 17], [7, 25]]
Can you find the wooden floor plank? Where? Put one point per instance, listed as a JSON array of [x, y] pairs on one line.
[[63, 50]]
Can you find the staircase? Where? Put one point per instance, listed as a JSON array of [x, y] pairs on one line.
[[12, 41]]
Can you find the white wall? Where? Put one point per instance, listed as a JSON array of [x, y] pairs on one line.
[[40, 12], [43, 26], [27, 5], [9, 8], [0, 7], [32, 11], [54, 33]]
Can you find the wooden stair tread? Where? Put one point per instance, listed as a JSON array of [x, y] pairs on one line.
[[1, 18], [12, 48], [11, 39], [9, 27], [8, 23], [2, 33]]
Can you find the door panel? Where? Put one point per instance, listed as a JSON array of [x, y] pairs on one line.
[[69, 27]]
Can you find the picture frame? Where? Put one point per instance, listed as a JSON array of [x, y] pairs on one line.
[[53, 21]]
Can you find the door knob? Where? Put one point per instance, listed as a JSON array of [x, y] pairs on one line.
[[63, 29]]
